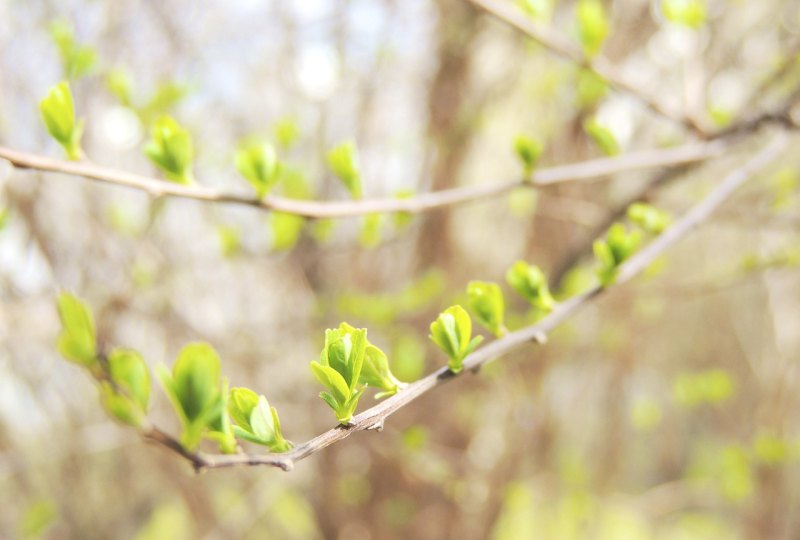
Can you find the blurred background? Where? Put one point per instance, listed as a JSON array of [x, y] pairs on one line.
[[667, 409]]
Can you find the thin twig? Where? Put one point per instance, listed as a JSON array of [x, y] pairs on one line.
[[555, 42], [374, 417], [586, 170]]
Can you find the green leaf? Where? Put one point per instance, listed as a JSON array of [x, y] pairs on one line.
[[613, 250], [486, 301], [196, 379], [376, 373], [58, 113], [648, 217], [530, 282], [602, 137], [119, 83], [402, 219], [241, 402], [343, 161], [78, 340], [131, 386], [170, 149], [333, 381], [689, 13], [261, 420], [528, 151], [258, 163], [451, 331], [77, 60], [592, 26]]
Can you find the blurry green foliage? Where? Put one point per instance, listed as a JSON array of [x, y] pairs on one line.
[[286, 132], [528, 151], [613, 250], [408, 353], [486, 302], [649, 218], [286, 229], [593, 26], [78, 339], [384, 308], [343, 161], [399, 510], [370, 234], [689, 13], [166, 95], [530, 282], [230, 240], [126, 395], [292, 517], [38, 517], [168, 520], [591, 88], [602, 136], [645, 413], [354, 489], [258, 163], [77, 60], [170, 149], [785, 188], [705, 387], [540, 11]]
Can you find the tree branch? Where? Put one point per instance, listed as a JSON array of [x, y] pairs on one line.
[[374, 417], [586, 170], [554, 41]]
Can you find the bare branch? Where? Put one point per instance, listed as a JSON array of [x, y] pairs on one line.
[[586, 170], [374, 417], [555, 42]]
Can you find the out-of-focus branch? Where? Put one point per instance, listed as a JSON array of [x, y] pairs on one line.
[[373, 418], [555, 42], [586, 170]]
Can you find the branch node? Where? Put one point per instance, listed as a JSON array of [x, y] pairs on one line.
[[377, 426]]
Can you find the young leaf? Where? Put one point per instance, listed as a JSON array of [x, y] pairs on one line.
[[262, 423], [528, 151], [196, 377], [339, 369], [530, 282], [58, 113], [602, 136], [370, 234], [170, 149], [343, 161], [258, 163], [451, 331], [127, 395], [486, 301], [241, 402], [376, 373], [648, 217], [613, 250], [592, 26], [78, 340]]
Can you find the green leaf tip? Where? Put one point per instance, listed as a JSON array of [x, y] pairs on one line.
[[170, 149], [258, 163], [58, 112], [78, 339], [602, 136], [486, 302], [452, 332], [530, 282], [343, 161]]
